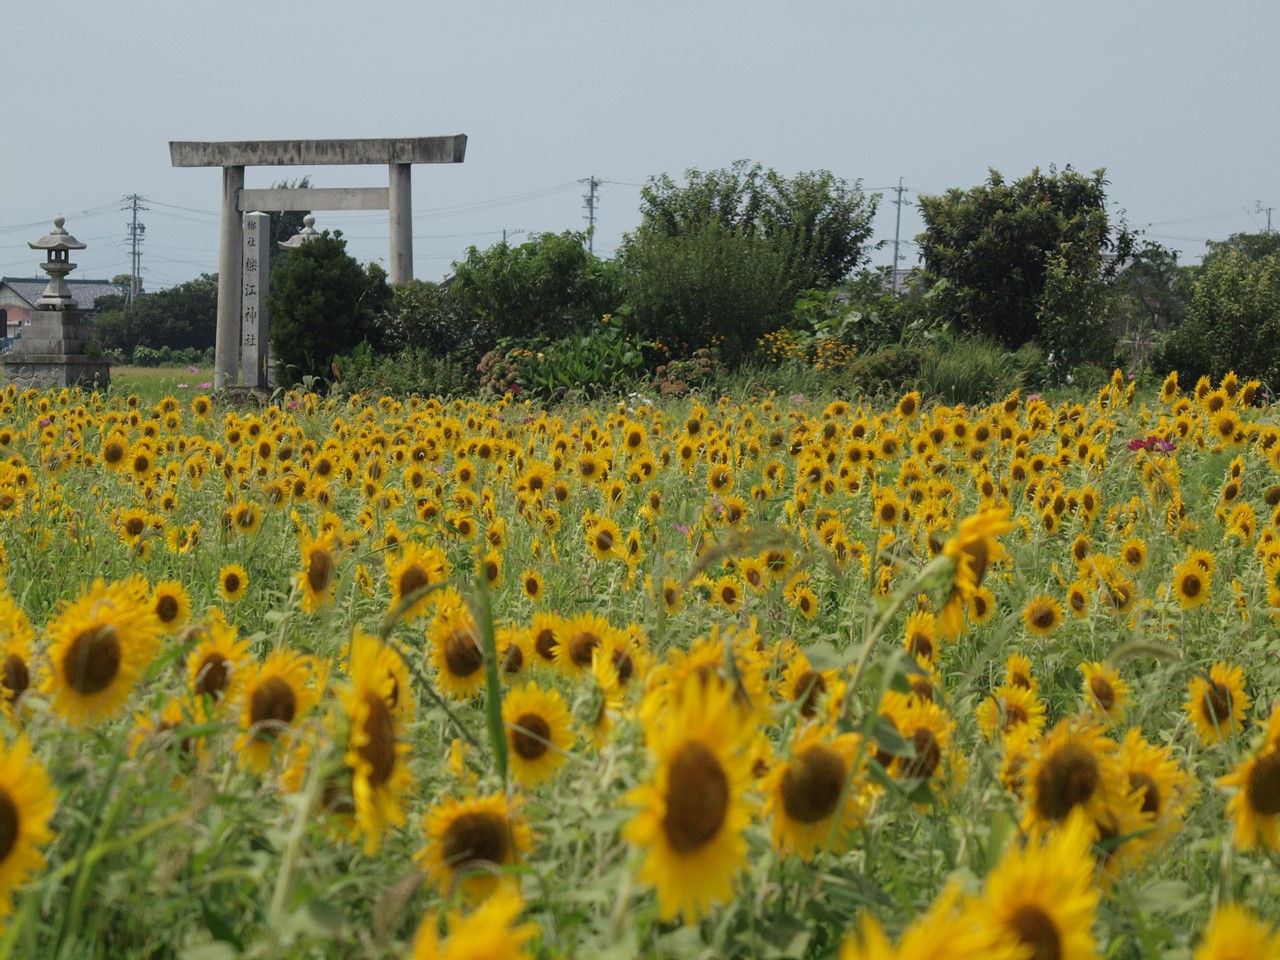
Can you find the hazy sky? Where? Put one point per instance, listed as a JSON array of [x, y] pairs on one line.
[[1176, 99]]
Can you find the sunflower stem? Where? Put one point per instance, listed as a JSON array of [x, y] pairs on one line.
[[493, 699]]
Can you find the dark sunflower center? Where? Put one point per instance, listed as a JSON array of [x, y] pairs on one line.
[[530, 736], [412, 580], [1190, 585], [624, 665], [134, 526], [1217, 703], [812, 784], [9, 824], [1150, 792], [979, 557], [231, 582], [273, 702], [92, 661], [921, 646], [928, 755], [1263, 786], [1103, 692], [379, 750], [476, 836], [883, 757], [1066, 780], [167, 608], [697, 798], [1037, 932], [462, 654], [211, 678], [16, 677], [581, 645], [319, 569], [809, 687], [604, 541], [1018, 679], [512, 658], [1043, 617], [922, 688], [545, 644], [1014, 716]]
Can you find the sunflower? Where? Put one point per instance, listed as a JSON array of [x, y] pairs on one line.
[[377, 749], [487, 933], [919, 636], [927, 728], [99, 646], [514, 653], [693, 813], [1133, 554], [577, 638], [544, 631], [948, 930], [818, 798], [1018, 673], [1104, 690], [1217, 703], [277, 693], [1074, 767], [1191, 584], [1235, 932], [456, 649], [20, 670], [172, 604], [533, 585], [416, 568], [539, 732], [604, 538], [1165, 788], [232, 582], [1043, 896], [806, 686], [1010, 708], [217, 664], [319, 568], [27, 802], [973, 549], [469, 842], [1042, 614], [1255, 807]]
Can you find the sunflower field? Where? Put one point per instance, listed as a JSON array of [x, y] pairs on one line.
[[768, 677]]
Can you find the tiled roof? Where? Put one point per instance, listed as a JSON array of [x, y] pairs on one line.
[[85, 292]]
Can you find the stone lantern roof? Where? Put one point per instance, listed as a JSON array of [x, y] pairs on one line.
[[308, 232], [57, 244]]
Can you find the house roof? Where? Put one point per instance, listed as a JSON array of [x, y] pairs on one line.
[[84, 292]]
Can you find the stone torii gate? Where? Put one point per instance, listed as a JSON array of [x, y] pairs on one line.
[[234, 155]]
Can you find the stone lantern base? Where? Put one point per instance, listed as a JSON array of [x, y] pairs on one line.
[[51, 353]]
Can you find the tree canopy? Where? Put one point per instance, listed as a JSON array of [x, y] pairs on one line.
[[182, 316]]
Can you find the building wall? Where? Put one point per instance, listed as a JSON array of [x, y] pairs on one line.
[[18, 310]]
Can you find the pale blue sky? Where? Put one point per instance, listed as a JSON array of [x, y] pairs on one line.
[[1176, 99]]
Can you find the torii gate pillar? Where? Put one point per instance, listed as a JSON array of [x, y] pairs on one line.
[[234, 155]]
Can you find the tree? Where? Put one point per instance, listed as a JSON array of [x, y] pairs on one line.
[[322, 303], [285, 224], [1023, 261], [1233, 319], [720, 260], [822, 221], [183, 316], [1150, 298], [547, 287], [1255, 246]]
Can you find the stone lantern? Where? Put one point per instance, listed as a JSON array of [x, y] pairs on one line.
[[308, 232], [57, 348]]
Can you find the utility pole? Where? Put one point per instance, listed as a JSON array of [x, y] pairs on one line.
[[897, 229], [514, 233], [136, 231], [590, 198], [1259, 208]]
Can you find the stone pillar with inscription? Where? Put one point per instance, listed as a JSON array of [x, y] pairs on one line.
[[254, 274]]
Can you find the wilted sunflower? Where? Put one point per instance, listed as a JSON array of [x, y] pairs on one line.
[[278, 692], [1255, 806], [1216, 704], [1234, 933], [99, 646], [694, 811], [469, 842], [489, 932], [232, 582], [414, 569], [377, 749], [27, 802], [539, 732], [1043, 896], [1104, 690], [817, 799]]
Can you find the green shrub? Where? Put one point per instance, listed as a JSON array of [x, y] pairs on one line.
[[600, 360], [888, 371], [969, 370], [412, 370]]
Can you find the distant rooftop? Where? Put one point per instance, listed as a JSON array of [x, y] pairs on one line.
[[85, 292]]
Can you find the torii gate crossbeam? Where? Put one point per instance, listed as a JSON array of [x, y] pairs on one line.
[[234, 155]]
